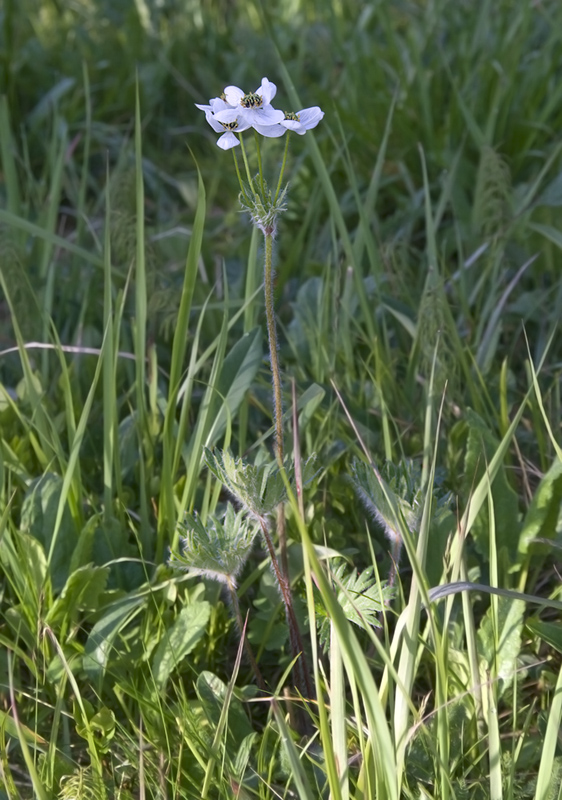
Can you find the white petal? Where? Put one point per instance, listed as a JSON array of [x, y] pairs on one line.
[[229, 114], [203, 108], [271, 131], [293, 125], [243, 124], [310, 117], [213, 122], [267, 90], [227, 141], [233, 95], [266, 115], [218, 104]]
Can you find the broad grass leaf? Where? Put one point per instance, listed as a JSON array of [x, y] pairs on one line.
[[179, 640], [481, 448], [237, 374], [108, 542], [543, 515], [499, 648], [308, 403], [550, 233], [243, 755], [23, 558], [552, 195]]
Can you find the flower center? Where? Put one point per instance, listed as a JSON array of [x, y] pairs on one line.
[[291, 115], [252, 100], [230, 126]]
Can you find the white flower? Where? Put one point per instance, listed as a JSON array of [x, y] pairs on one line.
[[303, 120], [227, 127], [300, 123], [254, 107]]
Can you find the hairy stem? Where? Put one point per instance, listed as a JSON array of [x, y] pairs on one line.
[[276, 376], [303, 678], [273, 347]]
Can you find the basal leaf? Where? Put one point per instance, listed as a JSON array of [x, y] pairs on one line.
[[99, 645], [81, 592], [38, 516], [180, 640]]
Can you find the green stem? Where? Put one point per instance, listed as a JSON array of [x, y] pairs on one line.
[[280, 181], [247, 165], [240, 181], [258, 150]]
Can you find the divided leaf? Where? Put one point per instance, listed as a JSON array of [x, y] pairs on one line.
[[361, 597]]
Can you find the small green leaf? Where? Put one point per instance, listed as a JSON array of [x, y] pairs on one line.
[[80, 593], [543, 516], [549, 632], [102, 636], [180, 640], [500, 648]]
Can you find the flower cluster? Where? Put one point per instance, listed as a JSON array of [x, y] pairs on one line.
[[235, 112]]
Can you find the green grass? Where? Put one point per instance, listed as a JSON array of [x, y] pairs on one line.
[[418, 298]]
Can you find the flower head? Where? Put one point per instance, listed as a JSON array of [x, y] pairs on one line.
[[303, 120], [299, 122], [255, 107], [236, 111], [235, 123]]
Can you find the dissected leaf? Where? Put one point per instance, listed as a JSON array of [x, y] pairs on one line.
[[216, 549], [361, 597], [259, 488]]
